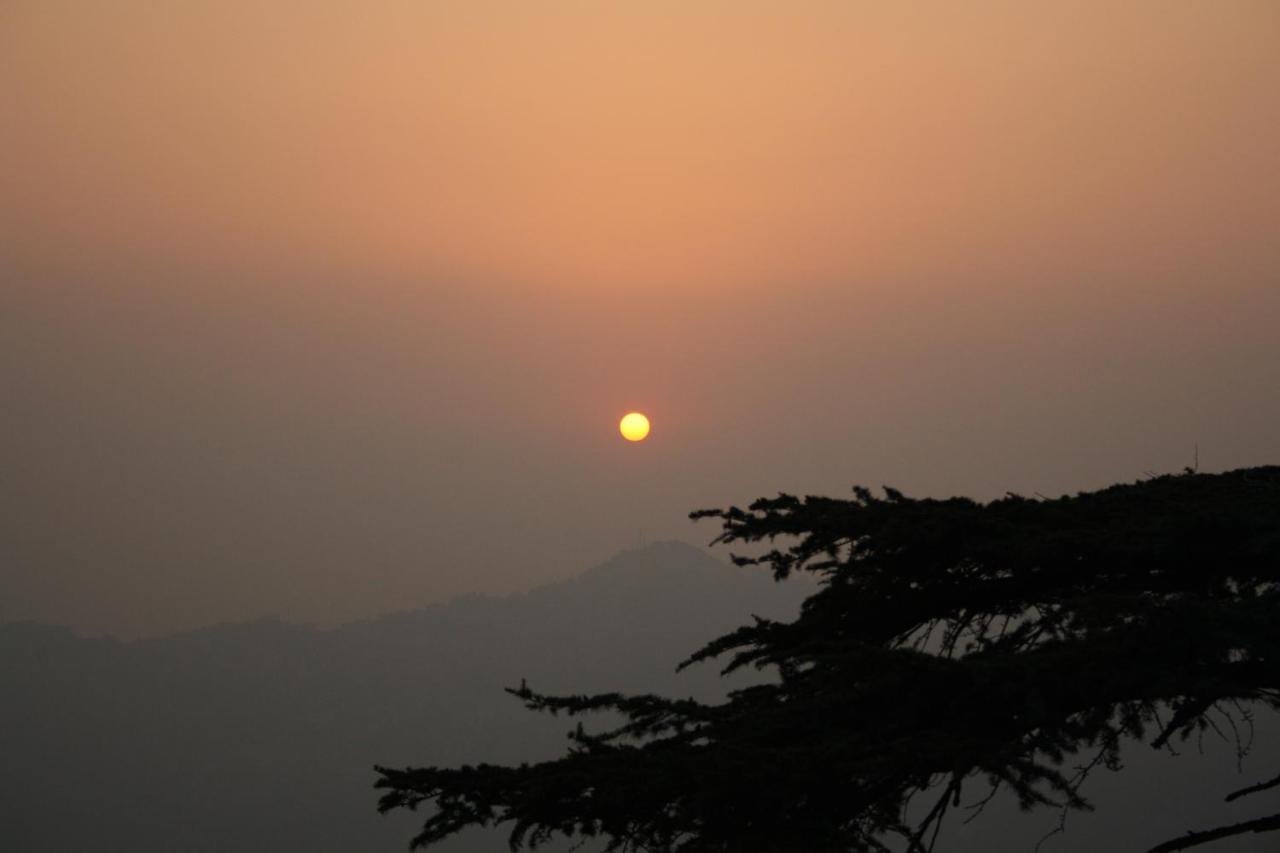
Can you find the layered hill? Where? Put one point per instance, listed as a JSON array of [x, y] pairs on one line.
[[261, 736]]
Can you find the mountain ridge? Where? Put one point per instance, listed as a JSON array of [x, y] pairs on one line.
[[622, 564], [261, 735]]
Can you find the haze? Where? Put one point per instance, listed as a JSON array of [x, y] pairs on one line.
[[327, 310]]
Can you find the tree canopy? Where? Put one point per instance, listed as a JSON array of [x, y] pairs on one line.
[[952, 650]]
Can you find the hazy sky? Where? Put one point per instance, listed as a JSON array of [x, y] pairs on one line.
[[329, 309]]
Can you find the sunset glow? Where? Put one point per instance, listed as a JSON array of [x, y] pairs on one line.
[[321, 324], [294, 289]]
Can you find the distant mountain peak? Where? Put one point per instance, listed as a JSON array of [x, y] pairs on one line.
[[668, 556], [664, 549]]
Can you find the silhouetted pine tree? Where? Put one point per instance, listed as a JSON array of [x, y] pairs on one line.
[[953, 649]]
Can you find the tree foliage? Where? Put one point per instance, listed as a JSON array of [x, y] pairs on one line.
[[953, 649]]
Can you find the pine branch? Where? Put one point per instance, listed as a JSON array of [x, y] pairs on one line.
[[1253, 789], [1195, 839]]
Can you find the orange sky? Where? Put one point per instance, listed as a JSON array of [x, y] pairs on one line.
[[328, 308], [619, 145]]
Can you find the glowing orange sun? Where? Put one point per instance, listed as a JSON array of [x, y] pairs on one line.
[[634, 426]]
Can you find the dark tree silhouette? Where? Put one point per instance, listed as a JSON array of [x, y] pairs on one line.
[[954, 649]]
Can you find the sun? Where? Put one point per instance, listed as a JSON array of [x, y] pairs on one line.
[[634, 426]]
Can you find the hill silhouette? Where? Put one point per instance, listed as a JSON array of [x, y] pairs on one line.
[[261, 736]]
